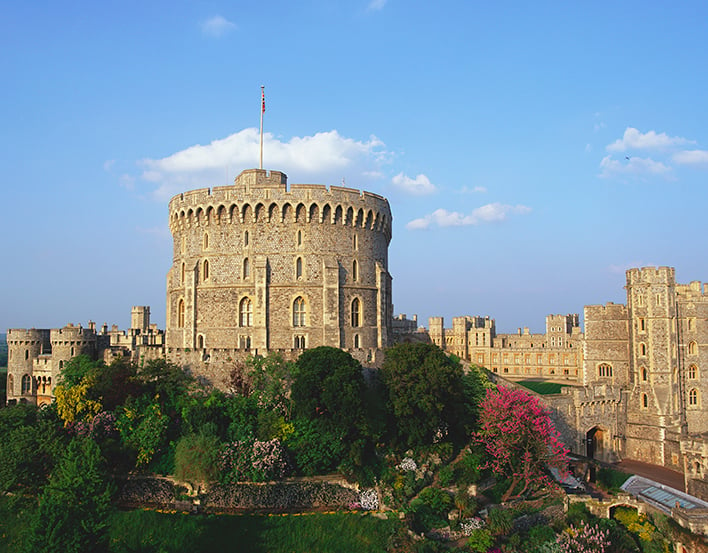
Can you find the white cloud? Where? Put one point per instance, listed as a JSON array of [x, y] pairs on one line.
[[217, 26], [127, 182], [376, 5], [634, 166], [490, 213], [691, 157], [108, 164], [635, 140], [419, 186], [325, 157]]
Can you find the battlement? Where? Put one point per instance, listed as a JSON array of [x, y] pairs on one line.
[[651, 275], [18, 335], [608, 311]]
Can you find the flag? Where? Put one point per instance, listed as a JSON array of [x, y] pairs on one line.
[[262, 100]]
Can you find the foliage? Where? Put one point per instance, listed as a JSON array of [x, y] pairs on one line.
[[430, 509], [254, 461], [196, 458], [466, 470], [542, 387], [74, 507], [143, 428], [611, 479], [520, 439], [584, 539], [500, 521], [480, 540], [165, 381], [316, 449], [74, 403], [271, 379], [425, 395]]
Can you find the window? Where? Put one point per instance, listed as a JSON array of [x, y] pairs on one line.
[[206, 269], [356, 242], [183, 273], [356, 307], [180, 314], [26, 354], [644, 374], [244, 342], [691, 323], [355, 271], [299, 238], [357, 345], [642, 349], [645, 401], [692, 396], [206, 241], [299, 312], [692, 372], [245, 312], [246, 268], [604, 369], [692, 348], [640, 300], [200, 342], [26, 384], [642, 324], [245, 238], [11, 385], [298, 268], [299, 342]]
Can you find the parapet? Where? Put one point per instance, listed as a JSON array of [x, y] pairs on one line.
[[651, 275]]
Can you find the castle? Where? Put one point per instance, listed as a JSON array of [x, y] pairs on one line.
[[261, 266]]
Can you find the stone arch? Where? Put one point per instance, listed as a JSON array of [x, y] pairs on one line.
[[190, 216], [337, 215], [209, 214], [220, 212], [350, 216], [198, 215], [233, 213], [272, 210], [369, 220], [359, 222], [246, 213], [258, 213], [597, 443], [287, 213], [300, 213], [314, 214], [377, 221], [326, 214]]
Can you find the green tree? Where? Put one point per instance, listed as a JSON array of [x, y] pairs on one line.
[[196, 458], [425, 395], [75, 506]]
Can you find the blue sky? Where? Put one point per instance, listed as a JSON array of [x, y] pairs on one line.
[[530, 151]]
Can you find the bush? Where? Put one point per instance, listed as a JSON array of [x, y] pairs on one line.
[[610, 479], [196, 457], [480, 540], [500, 521]]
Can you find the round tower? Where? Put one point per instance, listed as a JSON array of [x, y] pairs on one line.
[[23, 347], [261, 266]]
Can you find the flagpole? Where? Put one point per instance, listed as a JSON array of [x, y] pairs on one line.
[[262, 112]]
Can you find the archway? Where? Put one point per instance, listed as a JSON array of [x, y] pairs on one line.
[[595, 443]]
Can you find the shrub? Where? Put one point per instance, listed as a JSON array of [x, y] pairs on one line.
[[196, 458], [480, 540], [500, 521], [610, 479]]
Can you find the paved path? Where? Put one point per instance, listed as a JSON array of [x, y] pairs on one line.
[[657, 473]]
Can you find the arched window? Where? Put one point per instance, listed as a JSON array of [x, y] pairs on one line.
[[645, 401], [206, 240], [183, 273], [26, 354], [72, 351], [644, 374], [299, 238], [245, 238], [356, 242], [642, 349], [299, 312], [693, 397], [245, 312], [692, 348], [604, 369], [692, 372], [357, 345], [299, 342], [200, 342], [26, 384], [356, 315], [61, 365], [298, 268], [355, 270], [206, 269], [246, 268], [180, 314], [11, 385]]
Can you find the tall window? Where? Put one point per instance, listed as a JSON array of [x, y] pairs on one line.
[[356, 242], [299, 238], [692, 348], [245, 312], [356, 315], [180, 314], [206, 241], [642, 324], [642, 349], [355, 271], [245, 238], [692, 372], [246, 268], [645, 401], [11, 384], [644, 374], [299, 312], [298, 268], [200, 342], [357, 345], [206, 269], [692, 397], [26, 384], [604, 369], [299, 342]]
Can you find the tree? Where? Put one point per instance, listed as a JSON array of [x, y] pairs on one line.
[[196, 458], [519, 437], [74, 507], [425, 394]]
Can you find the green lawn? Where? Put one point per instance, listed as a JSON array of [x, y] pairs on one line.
[[542, 387]]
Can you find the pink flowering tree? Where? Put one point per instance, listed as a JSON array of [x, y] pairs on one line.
[[584, 539], [520, 440]]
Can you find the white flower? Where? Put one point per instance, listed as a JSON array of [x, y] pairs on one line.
[[407, 465], [369, 499]]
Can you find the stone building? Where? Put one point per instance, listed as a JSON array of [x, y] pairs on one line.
[[36, 356], [262, 266], [556, 355]]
